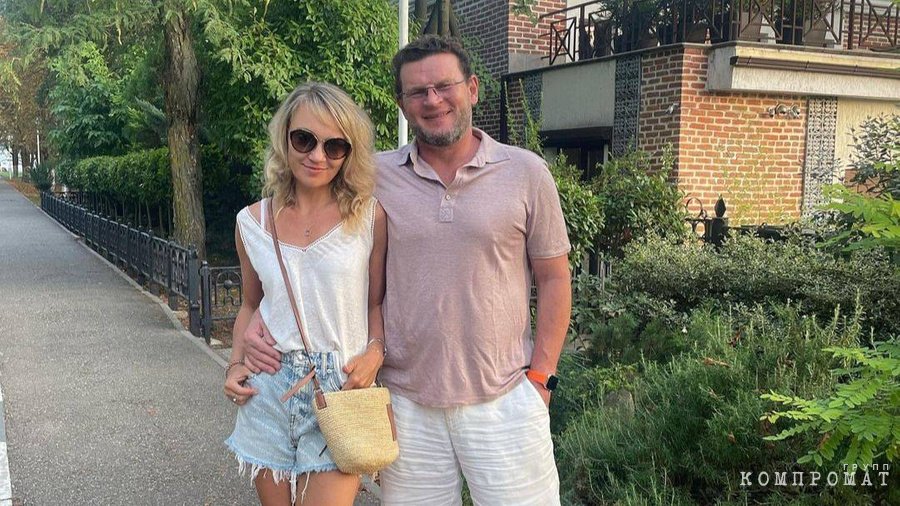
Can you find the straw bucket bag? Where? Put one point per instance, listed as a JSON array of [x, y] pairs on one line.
[[358, 425]]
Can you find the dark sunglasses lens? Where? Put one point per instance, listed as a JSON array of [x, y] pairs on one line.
[[303, 141], [336, 148]]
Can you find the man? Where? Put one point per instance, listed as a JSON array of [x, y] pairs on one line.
[[470, 221]]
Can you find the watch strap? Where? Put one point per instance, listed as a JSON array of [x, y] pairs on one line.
[[537, 377]]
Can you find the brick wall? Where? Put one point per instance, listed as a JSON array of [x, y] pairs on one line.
[[661, 88], [876, 35], [526, 37], [729, 145], [483, 24], [493, 33]]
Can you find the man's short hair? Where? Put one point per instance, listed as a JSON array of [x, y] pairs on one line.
[[425, 46]]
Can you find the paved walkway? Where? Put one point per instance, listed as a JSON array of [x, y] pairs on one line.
[[105, 402]]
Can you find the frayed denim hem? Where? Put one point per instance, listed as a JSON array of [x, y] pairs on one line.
[[255, 466]]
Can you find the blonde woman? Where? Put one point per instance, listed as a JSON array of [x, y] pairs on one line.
[[320, 175]]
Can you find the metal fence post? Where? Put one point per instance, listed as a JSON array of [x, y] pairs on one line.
[[170, 276], [206, 295], [151, 263], [718, 226], [193, 266]]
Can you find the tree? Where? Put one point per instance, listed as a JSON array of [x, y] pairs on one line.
[[254, 57], [442, 20], [48, 28], [181, 83]]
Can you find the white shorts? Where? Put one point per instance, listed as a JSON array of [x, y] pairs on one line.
[[502, 447]]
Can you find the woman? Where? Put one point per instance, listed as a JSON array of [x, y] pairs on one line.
[[320, 174]]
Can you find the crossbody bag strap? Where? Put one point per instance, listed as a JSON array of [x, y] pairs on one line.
[[320, 397]]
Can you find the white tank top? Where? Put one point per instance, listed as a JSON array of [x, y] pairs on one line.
[[330, 279]]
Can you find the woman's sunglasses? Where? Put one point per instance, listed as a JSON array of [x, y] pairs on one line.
[[305, 141]]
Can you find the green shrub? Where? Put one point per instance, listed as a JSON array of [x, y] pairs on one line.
[[583, 388], [877, 155], [748, 271], [859, 423], [581, 208], [139, 176], [638, 200], [41, 176], [696, 422]]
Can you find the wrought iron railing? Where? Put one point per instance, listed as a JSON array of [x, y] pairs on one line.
[[603, 27], [222, 294], [211, 293]]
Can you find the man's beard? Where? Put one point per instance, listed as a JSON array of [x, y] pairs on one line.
[[463, 122]]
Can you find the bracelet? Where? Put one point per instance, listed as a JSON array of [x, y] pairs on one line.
[[383, 344], [232, 364]]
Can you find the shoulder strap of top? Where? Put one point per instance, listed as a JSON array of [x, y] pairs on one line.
[[262, 212], [372, 206]]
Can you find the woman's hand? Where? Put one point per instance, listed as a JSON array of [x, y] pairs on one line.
[[234, 385], [362, 369]]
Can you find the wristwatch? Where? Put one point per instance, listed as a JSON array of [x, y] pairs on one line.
[[548, 380]]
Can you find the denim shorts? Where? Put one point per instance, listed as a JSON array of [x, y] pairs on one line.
[[284, 437]]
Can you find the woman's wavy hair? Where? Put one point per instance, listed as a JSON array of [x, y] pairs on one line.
[[355, 181]]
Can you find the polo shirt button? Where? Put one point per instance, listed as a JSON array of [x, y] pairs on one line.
[[447, 196]]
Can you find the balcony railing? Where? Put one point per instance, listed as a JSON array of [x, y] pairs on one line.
[[604, 27]]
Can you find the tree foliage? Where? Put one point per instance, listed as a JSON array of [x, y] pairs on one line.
[[638, 201], [860, 421], [89, 109], [876, 155], [256, 53]]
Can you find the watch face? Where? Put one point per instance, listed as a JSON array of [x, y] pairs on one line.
[[552, 381]]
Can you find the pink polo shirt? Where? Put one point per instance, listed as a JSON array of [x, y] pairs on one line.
[[456, 315]]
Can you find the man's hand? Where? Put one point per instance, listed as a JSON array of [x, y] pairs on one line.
[[260, 354], [362, 369], [545, 394], [235, 389]]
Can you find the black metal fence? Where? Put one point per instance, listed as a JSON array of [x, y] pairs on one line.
[[214, 293], [603, 27], [210, 293]]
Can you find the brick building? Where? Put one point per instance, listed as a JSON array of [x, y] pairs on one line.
[[757, 98]]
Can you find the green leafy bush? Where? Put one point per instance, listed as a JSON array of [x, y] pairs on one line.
[[581, 208], [877, 155], [41, 176], [748, 271], [638, 201], [696, 422], [584, 387], [873, 222], [860, 419], [141, 176]]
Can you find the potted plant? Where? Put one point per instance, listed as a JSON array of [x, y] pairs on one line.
[[636, 20], [681, 21]]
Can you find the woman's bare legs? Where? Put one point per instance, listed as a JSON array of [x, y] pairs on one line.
[[327, 489], [271, 493]]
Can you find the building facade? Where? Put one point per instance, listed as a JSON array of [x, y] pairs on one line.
[[756, 99]]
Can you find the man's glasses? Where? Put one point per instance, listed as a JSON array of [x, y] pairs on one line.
[[305, 141], [442, 90]]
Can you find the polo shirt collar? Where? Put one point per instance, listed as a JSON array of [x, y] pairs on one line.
[[489, 151]]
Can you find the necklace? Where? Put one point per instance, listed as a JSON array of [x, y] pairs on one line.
[[312, 223]]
